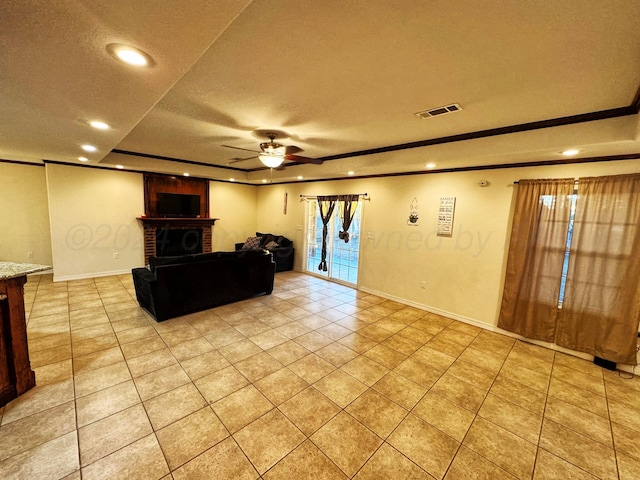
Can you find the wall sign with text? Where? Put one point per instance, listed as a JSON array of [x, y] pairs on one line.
[[445, 216]]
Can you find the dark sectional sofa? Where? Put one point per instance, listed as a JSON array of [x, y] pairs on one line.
[[174, 286], [280, 247]]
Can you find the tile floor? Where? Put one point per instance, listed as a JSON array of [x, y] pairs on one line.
[[314, 381]]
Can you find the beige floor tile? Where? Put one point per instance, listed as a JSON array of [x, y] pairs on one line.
[[258, 366], [221, 383], [579, 364], [519, 394], [376, 412], [56, 458], [50, 341], [311, 368], [531, 362], [583, 380], [38, 399], [482, 359], [268, 439], [624, 395], [252, 327], [365, 370], [336, 354], [150, 362], [161, 381], [626, 440], [418, 372], [50, 355], [174, 405], [224, 460], [293, 329], [550, 467], [309, 410], [579, 397], [433, 453], [579, 450], [191, 348], [505, 449], [459, 392], [101, 378], [444, 415], [224, 337], [517, 373], [516, 419], [306, 461], [624, 414], [375, 333], [445, 345], [418, 334], [593, 426], [142, 347], [436, 359], [346, 442], [629, 468], [498, 345], [240, 408], [190, 436], [105, 436], [403, 345], [241, 350], [269, 339], [470, 373], [90, 332], [84, 347], [281, 385], [400, 389], [201, 365], [29, 432], [468, 465], [387, 462], [140, 460], [340, 387], [385, 356], [103, 403], [92, 361], [313, 341], [288, 352], [54, 372]]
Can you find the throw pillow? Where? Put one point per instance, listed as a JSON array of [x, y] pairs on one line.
[[266, 237], [271, 245], [252, 243]]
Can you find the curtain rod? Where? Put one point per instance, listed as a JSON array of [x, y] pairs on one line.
[[315, 197], [575, 182]]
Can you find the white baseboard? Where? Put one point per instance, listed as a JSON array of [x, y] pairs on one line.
[[84, 276]]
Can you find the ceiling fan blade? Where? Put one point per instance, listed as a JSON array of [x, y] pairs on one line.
[[299, 159], [237, 159], [240, 148], [292, 149]]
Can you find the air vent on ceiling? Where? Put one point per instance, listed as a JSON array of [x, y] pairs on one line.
[[434, 112]]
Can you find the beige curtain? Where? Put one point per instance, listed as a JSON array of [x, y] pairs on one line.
[[601, 309], [536, 253]]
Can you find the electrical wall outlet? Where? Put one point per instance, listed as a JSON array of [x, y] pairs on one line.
[[370, 235], [29, 254], [116, 255], [423, 285]]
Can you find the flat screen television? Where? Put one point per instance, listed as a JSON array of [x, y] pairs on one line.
[[178, 205]]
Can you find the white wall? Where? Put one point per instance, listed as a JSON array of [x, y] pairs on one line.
[[235, 206], [24, 217], [93, 215], [463, 274]]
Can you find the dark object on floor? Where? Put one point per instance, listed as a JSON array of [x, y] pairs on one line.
[[174, 286], [281, 248], [608, 364]]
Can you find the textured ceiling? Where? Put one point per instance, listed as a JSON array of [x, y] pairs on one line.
[[335, 77]]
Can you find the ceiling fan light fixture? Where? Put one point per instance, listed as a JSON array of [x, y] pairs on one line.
[[271, 160]]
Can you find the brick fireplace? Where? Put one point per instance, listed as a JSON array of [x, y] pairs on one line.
[[154, 227]]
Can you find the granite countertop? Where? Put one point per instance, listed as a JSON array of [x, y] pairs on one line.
[[10, 270]]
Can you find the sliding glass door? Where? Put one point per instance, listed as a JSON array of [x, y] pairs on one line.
[[342, 257]]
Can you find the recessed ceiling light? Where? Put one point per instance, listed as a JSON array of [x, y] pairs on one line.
[[570, 152], [130, 55], [89, 148], [430, 165], [119, 167], [300, 177], [351, 172], [264, 180], [99, 125], [83, 159], [232, 179], [185, 174]]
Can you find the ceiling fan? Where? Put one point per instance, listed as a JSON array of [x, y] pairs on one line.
[[273, 154]]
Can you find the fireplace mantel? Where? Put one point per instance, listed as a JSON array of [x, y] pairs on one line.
[[153, 225], [161, 221]]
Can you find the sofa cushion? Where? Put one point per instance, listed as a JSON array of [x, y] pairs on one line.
[[252, 243], [271, 245], [159, 261], [265, 238], [283, 241]]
